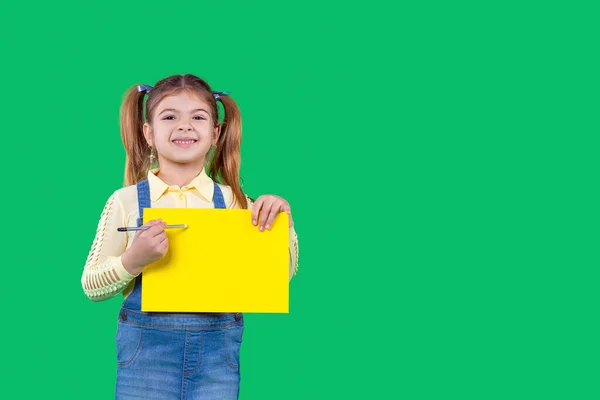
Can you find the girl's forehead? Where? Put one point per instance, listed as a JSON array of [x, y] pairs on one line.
[[183, 99]]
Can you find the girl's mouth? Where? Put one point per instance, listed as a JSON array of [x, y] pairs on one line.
[[184, 142]]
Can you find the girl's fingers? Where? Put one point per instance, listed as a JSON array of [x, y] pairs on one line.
[[264, 214], [275, 209], [265, 210], [158, 240], [153, 222], [164, 244], [157, 229], [256, 209], [149, 225]]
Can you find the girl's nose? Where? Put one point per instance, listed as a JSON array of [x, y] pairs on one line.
[[185, 127]]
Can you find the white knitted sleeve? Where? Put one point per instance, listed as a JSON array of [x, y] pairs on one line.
[[104, 275]]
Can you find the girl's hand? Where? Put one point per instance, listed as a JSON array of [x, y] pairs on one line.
[[148, 246], [268, 206]]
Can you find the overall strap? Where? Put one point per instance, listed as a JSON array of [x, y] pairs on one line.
[[143, 191], [134, 300], [218, 199]]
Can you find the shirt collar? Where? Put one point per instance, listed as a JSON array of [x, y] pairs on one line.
[[201, 183]]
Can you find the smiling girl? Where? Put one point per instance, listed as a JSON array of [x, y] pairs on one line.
[[173, 355]]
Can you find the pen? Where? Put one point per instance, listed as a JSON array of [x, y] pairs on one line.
[[143, 228]]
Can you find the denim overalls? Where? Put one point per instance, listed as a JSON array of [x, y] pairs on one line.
[[176, 355]]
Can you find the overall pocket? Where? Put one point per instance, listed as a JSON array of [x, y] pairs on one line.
[[233, 342], [129, 342]]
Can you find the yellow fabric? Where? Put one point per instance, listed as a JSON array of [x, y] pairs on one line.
[[104, 276]]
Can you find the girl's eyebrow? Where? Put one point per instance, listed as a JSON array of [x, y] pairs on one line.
[[174, 110]]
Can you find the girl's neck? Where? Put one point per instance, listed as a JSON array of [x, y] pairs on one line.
[[179, 174]]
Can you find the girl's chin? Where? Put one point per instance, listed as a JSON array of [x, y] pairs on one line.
[[192, 159]]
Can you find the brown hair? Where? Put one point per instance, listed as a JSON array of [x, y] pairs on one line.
[[225, 164]]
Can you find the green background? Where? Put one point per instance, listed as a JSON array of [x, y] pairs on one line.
[[440, 160]]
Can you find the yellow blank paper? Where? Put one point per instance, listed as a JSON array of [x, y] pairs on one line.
[[219, 263]]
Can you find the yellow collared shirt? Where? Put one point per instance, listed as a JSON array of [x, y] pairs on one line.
[[104, 275]]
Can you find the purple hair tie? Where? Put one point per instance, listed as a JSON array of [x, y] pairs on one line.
[[144, 88], [217, 95]]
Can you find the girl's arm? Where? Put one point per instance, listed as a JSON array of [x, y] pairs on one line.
[[104, 275], [293, 246]]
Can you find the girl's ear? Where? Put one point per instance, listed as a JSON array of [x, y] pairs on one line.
[[148, 134], [216, 134]]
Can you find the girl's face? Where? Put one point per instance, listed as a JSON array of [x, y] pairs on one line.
[[182, 130]]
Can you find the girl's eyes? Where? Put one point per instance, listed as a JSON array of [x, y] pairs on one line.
[[172, 117]]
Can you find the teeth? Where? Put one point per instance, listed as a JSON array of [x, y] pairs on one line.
[[184, 141]]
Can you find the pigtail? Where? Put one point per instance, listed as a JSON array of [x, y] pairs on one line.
[[225, 165], [136, 147]]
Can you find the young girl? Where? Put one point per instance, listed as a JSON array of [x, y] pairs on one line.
[[173, 355]]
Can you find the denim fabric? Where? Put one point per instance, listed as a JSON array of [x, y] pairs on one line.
[[178, 356]]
